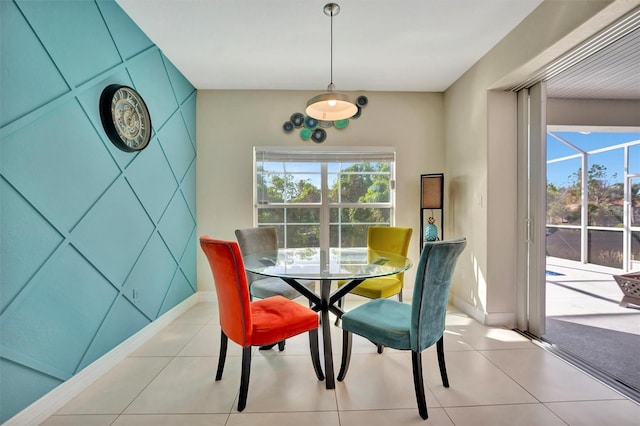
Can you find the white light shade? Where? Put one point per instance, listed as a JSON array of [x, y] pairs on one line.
[[331, 106]]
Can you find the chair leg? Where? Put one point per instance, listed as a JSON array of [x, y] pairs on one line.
[[267, 347], [443, 367], [416, 360], [340, 303], [346, 354], [315, 353], [281, 345], [244, 378], [223, 354], [400, 296], [380, 348]]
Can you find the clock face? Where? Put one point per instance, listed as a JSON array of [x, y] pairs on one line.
[[125, 118]]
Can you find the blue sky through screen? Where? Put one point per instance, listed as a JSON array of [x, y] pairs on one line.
[[558, 173]]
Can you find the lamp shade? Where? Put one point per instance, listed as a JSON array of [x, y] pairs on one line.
[[331, 106], [432, 191]]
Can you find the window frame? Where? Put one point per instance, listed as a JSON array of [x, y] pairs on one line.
[[325, 155]]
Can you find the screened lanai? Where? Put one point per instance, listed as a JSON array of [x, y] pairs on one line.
[[593, 196], [593, 234]]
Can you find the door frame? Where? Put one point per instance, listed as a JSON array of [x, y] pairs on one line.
[[531, 209]]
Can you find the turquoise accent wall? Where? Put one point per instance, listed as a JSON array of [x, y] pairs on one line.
[[85, 226]]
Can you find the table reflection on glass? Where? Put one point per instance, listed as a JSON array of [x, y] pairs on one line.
[[326, 265]]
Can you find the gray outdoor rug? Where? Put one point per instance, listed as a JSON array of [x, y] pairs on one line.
[[613, 352]]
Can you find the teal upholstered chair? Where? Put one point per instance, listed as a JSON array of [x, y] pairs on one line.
[[391, 239], [413, 327]]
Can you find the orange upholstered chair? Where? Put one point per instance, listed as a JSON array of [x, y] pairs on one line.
[[250, 323]]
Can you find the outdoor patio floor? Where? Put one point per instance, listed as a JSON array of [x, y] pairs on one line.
[[585, 319]]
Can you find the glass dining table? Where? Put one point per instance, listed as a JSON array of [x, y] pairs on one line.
[[352, 265]]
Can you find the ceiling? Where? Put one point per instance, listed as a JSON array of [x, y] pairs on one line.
[[406, 45], [610, 73]]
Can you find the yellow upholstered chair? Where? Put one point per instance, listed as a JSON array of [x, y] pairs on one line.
[[389, 239]]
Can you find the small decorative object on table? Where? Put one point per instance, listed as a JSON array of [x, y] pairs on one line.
[[431, 230]]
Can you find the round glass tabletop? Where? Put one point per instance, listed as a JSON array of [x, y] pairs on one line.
[[326, 264]]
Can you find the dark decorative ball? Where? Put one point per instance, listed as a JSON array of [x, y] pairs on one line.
[[319, 135], [357, 114], [297, 119], [287, 127], [362, 101]]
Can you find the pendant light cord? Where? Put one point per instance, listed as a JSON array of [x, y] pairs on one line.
[[332, 45]]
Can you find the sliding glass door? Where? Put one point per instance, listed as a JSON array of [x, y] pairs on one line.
[[531, 209]]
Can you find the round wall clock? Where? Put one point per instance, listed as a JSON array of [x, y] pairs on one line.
[[125, 118]]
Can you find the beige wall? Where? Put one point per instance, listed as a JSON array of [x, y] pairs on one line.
[[480, 149], [468, 133], [231, 123]]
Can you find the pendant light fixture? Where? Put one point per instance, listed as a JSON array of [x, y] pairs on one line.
[[331, 106]]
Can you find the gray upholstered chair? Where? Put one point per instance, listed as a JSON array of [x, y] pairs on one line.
[[254, 240], [414, 326]]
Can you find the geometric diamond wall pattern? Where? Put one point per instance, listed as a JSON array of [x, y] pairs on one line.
[[96, 243]]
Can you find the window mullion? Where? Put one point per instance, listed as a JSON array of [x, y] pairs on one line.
[[324, 209]]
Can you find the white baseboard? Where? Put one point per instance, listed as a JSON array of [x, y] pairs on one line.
[[501, 319], [207, 296], [50, 403], [497, 319], [469, 309]]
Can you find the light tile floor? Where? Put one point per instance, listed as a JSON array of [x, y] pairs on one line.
[[497, 377]]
